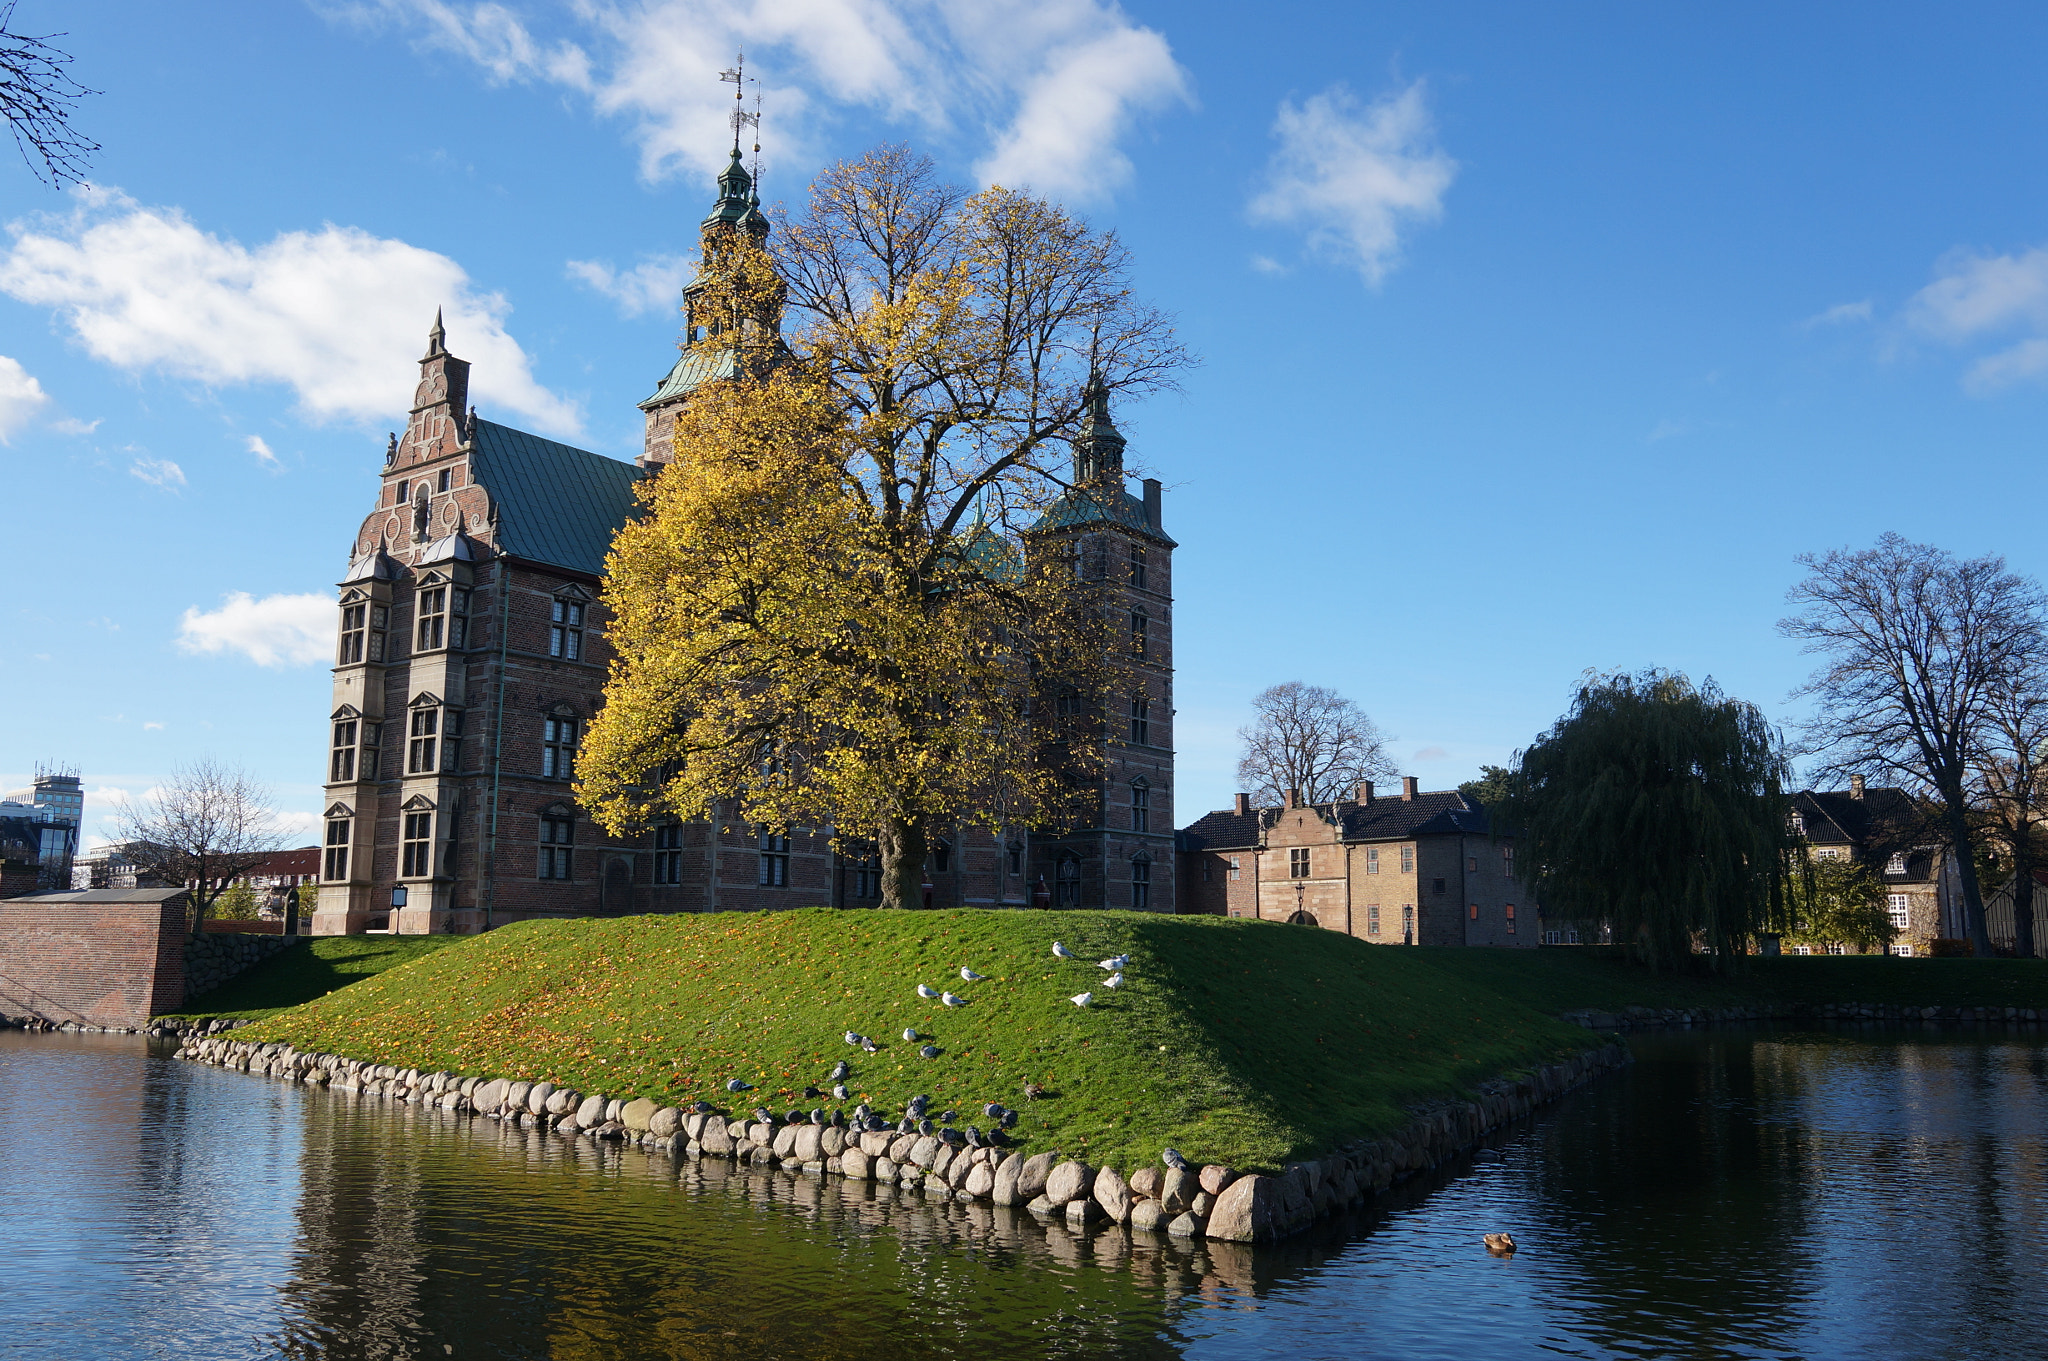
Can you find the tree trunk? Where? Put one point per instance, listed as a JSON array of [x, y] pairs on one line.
[[2023, 902], [903, 845], [1966, 871]]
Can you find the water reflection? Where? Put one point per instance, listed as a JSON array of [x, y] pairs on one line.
[[1741, 1194]]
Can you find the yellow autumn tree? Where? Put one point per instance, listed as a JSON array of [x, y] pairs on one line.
[[830, 611]]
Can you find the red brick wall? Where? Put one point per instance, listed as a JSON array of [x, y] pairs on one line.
[[107, 964]]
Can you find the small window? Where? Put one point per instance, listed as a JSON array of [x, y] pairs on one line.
[[380, 620], [1138, 565], [1799, 824], [1897, 863], [342, 765], [1553, 937], [941, 856], [668, 853], [1206, 867], [1837, 948], [352, 631], [1297, 863], [1511, 918], [422, 745], [1828, 853], [1372, 860], [1475, 912], [557, 834], [1471, 864], [1141, 626], [398, 492], [1507, 861], [1899, 907], [1372, 919], [441, 482], [1016, 857], [1407, 860], [1141, 884], [558, 748], [337, 849], [1141, 808], [1233, 867], [416, 850], [565, 637], [774, 871], [1141, 720], [1903, 948]]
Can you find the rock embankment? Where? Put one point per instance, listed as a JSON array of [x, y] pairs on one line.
[[1182, 1201], [212, 959]]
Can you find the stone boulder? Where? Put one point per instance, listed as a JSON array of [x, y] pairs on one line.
[[1185, 1226], [900, 1146], [856, 1164], [638, 1114], [925, 1150], [1004, 1189], [806, 1148], [1145, 1183], [1147, 1214], [491, 1095], [591, 1112], [716, 1139], [884, 1169], [564, 1102], [785, 1140], [1032, 1176], [515, 1096], [833, 1142], [1113, 1194], [1202, 1205], [1244, 1212], [1176, 1188], [1068, 1182], [537, 1098], [875, 1143], [665, 1122], [1215, 1177], [980, 1181]]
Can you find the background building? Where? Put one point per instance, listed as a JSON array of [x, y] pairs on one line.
[[1890, 831], [39, 828]]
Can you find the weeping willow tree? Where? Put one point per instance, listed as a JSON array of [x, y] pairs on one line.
[[1657, 808]]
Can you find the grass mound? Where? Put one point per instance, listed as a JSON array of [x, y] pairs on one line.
[[308, 970], [1235, 1041]]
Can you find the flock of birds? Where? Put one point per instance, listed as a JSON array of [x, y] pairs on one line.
[[917, 1118]]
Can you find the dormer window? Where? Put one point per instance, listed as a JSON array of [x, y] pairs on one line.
[[1897, 863]]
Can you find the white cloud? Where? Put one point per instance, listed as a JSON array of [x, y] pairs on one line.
[[1668, 429], [258, 447], [21, 396], [152, 727], [158, 472], [1978, 297], [653, 285], [1266, 264], [338, 314], [1353, 176], [72, 426], [1048, 90], [277, 630], [1840, 314], [308, 825]]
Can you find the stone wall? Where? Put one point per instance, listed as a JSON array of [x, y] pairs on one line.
[[214, 958], [107, 958]]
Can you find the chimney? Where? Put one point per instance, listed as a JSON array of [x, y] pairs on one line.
[[1244, 805], [1152, 504], [1408, 787], [1855, 786], [1365, 791], [1294, 798]]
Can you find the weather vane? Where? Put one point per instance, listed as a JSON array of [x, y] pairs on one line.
[[737, 78]]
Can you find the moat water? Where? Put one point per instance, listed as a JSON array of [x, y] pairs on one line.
[[1737, 1193]]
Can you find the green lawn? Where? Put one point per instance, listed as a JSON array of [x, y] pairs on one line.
[[307, 971], [1236, 1041], [1594, 978]]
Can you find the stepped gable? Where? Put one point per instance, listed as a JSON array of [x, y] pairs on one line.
[[1448, 812], [554, 504]]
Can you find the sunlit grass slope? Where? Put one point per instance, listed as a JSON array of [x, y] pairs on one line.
[[1236, 1041], [308, 970]]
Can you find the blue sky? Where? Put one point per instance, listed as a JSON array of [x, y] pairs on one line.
[[1534, 339]]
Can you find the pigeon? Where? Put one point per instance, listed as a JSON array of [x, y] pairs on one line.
[[703, 1107], [876, 1124], [930, 1051], [1172, 1158], [852, 1038], [906, 1126], [925, 991], [1008, 1119], [1032, 1091], [909, 1035], [918, 1103], [950, 1000], [953, 1137], [970, 976], [838, 1119], [973, 1137], [1061, 952], [1115, 962], [812, 1093], [997, 1138], [1115, 980], [736, 1085], [993, 1111], [839, 1092], [947, 1117], [862, 1111], [925, 1127], [841, 1071], [870, 1045], [764, 1115], [817, 1116], [1082, 999]]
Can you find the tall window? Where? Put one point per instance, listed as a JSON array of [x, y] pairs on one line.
[[433, 622], [1141, 808], [1475, 911], [342, 766], [337, 849], [668, 853], [422, 744], [1066, 703], [1507, 861], [556, 837], [1297, 863], [941, 855], [1233, 867], [1407, 860], [558, 748], [1140, 627], [1141, 884], [416, 849], [1372, 919], [372, 736], [1372, 860], [867, 877], [1068, 876], [1016, 857], [1141, 720], [774, 860], [565, 637], [353, 619], [1897, 906], [1138, 565], [1511, 918]]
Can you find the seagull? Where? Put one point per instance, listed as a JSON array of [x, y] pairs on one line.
[[736, 1085], [1172, 1158], [870, 1045], [950, 1000], [852, 1038], [930, 1051], [925, 991], [1116, 980], [1082, 999], [970, 976], [812, 1093], [1115, 962], [839, 1092], [1499, 1244], [840, 1071], [909, 1035], [1061, 951]]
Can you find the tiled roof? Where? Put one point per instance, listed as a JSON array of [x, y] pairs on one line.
[[555, 504], [1883, 816], [1098, 504], [694, 368], [1382, 819]]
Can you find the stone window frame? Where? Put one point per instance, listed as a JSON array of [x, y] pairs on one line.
[[668, 853], [340, 836], [1372, 919], [1138, 565], [1141, 882], [567, 621], [561, 738], [342, 751], [555, 834], [1067, 880], [1141, 720], [1300, 864], [773, 847], [1141, 804], [416, 840], [1141, 631]]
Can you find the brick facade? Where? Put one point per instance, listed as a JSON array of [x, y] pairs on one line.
[[102, 957]]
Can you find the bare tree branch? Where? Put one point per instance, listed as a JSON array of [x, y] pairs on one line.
[[209, 826], [38, 97], [1311, 739]]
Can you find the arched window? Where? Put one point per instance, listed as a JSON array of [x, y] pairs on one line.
[[1302, 917]]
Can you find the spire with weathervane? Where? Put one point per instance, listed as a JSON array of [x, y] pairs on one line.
[[1099, 450]]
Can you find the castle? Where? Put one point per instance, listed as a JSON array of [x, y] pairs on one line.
[[471, 655]]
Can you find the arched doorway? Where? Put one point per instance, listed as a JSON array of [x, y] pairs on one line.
[[1303, 917]]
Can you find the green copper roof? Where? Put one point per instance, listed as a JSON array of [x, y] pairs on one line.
[[694, 368], [555, 503], [1099, 503]]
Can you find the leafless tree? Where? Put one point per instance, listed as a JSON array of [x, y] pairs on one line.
[[210, 825], [1917, 646], [2012, 781], [38, 97], [1312, 739]]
